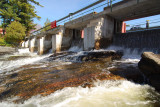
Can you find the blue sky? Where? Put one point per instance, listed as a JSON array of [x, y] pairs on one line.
[[56, 9]]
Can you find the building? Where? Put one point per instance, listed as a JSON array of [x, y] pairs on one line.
[[1, 31]]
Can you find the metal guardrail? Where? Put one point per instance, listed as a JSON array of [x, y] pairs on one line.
[[79, 13], [148, 25]]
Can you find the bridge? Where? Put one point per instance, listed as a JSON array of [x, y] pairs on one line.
[[95, 29]]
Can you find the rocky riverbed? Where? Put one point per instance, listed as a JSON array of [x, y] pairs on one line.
[[56, 72]]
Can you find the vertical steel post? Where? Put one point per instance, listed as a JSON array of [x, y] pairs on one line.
[[147, 24], [108, 2], [111, 4], [137, 1]]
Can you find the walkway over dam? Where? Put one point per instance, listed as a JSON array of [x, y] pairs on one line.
[[94, 30]]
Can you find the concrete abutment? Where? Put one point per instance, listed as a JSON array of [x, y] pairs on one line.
[[57, 42], [96, 34], [99, 33]]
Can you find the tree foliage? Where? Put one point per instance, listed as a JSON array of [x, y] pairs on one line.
[[15, 33], [19, 10], [47, 23]]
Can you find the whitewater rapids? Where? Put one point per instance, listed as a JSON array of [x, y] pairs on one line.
[[106, 93]]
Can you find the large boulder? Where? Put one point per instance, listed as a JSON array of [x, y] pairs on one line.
[[149, 65]]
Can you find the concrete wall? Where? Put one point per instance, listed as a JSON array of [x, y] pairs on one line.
[[32, 45], [40, 45], [47, 43], [26, 44], [44, 44], [57, 42], [23, 44], [67, 39], [148, 39], [89, 38], [99, 33]]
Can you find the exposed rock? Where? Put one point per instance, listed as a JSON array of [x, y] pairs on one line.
[[31, 80], [150, 67], [95, 55], [88, 56], [150, 63]]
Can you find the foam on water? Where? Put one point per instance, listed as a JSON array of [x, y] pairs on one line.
[[75, 49], [104, 94], [7, 65]]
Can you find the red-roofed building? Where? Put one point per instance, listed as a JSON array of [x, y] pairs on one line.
[[1, 31]]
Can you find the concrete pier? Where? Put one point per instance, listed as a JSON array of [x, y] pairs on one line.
[[23, 44], [32, 45], [41, 45], [26, 44], [57, 42], [99, 33]]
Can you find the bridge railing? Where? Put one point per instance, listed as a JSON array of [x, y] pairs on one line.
[[145, 25], [97, 6]]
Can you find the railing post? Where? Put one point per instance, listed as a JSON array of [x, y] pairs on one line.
[[108, 2], [147, 24], [70, 16], [137, 1], [111, 4]]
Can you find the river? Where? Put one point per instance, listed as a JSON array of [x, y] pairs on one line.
[[29, 80]]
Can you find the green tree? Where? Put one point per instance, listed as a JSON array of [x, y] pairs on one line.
[[19, 10], [47, 23], [15, 33]]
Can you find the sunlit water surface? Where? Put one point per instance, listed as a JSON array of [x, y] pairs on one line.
[[106, 93]]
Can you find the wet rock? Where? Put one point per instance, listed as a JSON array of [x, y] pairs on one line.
[[32, 81], [60, 55], [95, 55], [14, 75], [154, 80], [149, 65], [16, 57]]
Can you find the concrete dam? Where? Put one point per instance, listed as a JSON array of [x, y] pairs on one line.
[[97, 30]]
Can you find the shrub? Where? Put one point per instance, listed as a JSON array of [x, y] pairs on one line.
[[2, 41], [15, 33]]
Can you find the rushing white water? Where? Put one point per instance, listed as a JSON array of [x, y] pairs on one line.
[[75, 49], [104, 94], [26, 57]]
